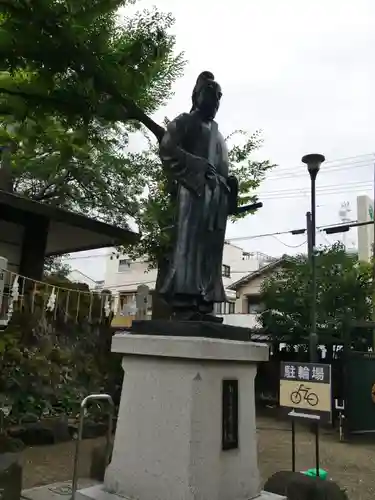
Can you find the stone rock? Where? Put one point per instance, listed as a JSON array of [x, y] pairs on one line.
[[10, 477], [98, 465], [48, 431], [91, 429], [297, 486], [9, 444], [29, 418]]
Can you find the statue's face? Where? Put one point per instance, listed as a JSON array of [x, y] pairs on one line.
[[208, 98]]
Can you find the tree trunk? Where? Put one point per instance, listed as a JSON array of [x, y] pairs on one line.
[[160, 309]]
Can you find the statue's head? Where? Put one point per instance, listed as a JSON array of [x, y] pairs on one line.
[[206, 95]]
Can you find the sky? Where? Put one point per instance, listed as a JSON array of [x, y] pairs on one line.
[[303, 72]]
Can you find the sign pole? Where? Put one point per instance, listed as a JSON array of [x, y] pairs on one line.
[[317, 448], [306, 393], [293, 446]]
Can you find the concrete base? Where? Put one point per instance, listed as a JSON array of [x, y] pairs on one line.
[[56, 491], [99, 493], [169, 442]]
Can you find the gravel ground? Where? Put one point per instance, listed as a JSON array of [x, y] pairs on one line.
[[351, 465]]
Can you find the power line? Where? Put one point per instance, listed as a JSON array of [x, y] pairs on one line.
[[336, 185], [339, 161], [335, 168], [278, 233], [302, 193], [325, 237], [286, 244], [238, 238]]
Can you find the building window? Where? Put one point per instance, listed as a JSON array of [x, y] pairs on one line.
[[254, 306], [219, 307], [126, 298], [225, 271], [123, 265], [225, 308]]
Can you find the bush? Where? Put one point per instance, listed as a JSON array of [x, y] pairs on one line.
[[47, 372]]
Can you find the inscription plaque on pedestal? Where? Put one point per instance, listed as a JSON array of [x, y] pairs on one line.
[[230, 415]]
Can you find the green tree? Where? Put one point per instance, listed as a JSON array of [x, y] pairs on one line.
[[55, 267], [80, 61], [343, 295], [75, 79], [70, 170]]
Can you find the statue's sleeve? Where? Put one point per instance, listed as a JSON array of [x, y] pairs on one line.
[[233, 195], [186, 168]]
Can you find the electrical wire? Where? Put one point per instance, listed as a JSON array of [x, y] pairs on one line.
[[303, 193], [325, 238], [286, 244], [319, 188], [238, 238], [280, 174], [332, 163], [290, 231]]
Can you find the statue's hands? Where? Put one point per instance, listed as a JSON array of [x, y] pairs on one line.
[[211, 176]]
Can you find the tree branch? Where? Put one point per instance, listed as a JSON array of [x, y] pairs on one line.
[[43, 195], [130, 109]]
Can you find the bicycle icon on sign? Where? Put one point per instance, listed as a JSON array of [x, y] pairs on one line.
[[310, 397]]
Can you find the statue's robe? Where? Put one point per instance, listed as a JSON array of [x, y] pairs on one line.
[[194, 273]]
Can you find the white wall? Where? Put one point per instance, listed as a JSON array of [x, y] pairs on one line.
[[128, 279], [77, 276], [365, 233], [240, 263], [243, 320]]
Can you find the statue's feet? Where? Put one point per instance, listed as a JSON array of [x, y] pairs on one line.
[[194, 315], [197, 316]]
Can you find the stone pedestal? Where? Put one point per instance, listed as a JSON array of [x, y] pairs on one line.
[[186, 426]]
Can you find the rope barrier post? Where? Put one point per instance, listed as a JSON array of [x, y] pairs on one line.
[[84, 402]]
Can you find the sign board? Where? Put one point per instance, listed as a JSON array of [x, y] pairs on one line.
[[305, 390]]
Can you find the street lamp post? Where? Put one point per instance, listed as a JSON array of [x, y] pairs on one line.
[[313, 162]]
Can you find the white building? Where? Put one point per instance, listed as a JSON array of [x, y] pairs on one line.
[[365, 213], [248, 302], [124, 275], [76, 276]]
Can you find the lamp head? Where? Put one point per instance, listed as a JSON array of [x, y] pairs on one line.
[[313, 162]]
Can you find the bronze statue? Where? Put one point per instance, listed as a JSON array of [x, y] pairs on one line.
[[195, 159]]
